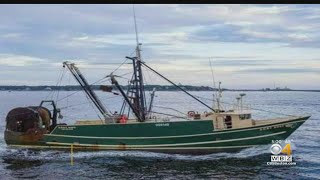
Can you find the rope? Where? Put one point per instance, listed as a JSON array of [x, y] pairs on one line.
[[170, 115], [170, 109], [122, 63], [95, 82], [61, 70], [81, 90], [68, 106], [176, 86], [58, 83], [149, 76], [68, 83], [92, 105], [126, 74], [64, 72]]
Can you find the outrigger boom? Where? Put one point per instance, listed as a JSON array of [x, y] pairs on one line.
[[87, 89]]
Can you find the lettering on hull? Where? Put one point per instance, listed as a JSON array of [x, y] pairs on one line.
[[67, 128], [162, 124], [278, 126]]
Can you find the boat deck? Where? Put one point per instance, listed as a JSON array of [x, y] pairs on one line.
[[254, 122]]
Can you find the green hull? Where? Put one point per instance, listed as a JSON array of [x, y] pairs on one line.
[[176, 137]]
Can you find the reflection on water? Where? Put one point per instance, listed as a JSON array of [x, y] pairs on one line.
[[29, 163]]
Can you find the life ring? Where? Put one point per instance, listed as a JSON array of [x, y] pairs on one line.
[[123, 119], [191, 114]]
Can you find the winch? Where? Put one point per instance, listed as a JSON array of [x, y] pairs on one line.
[[27, 125]]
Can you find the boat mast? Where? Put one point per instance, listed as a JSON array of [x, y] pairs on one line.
[[138, 76]]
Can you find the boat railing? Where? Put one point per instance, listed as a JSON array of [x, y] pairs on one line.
[[245, 107]]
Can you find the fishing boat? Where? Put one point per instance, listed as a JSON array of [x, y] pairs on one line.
[[137, 128]]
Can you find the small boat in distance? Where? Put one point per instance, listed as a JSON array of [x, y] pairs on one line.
[[136, 127]]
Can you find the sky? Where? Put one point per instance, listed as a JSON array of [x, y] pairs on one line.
[[250, 46]]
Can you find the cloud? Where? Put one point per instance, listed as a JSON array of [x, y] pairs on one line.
[[150, 39], [11, 36], [241, 62], [277, 24], [177, 39], [19, 60], [281, 70]]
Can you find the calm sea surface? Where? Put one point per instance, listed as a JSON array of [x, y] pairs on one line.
[[248, 164]]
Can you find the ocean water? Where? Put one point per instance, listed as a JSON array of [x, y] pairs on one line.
[[250, 163]]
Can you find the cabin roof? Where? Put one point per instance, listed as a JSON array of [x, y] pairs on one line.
[[236, 112]]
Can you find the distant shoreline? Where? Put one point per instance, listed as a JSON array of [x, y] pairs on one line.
[[147, 88]]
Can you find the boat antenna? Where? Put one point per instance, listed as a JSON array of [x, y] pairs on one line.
[[135, 25], [219, 96], [213, 83]]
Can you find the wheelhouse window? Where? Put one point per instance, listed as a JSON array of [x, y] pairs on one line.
[[245, 116]]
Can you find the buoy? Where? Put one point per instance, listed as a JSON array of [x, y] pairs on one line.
[[191, 114]]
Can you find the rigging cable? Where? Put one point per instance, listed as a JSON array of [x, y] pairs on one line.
[[90, 102], [68, 83], [170, 109], [86, 102], [124, 104], [97, 80], [121, 63], [213, 83], [176, 86], [51, 92], [80, 90], [180, 117], [251, 107], [59, 85]]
